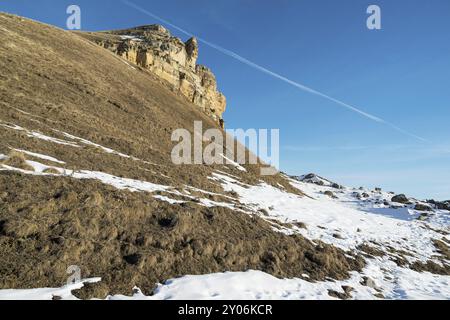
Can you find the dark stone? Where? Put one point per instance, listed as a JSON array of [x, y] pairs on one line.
[[57, 240], [400, 198]]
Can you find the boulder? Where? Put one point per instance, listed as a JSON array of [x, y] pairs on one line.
[[444, 205], [400, 198]]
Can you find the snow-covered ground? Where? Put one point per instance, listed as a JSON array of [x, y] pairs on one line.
[[341, 216], [256, 285]]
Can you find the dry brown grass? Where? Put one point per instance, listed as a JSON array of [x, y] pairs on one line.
[[17, 159]]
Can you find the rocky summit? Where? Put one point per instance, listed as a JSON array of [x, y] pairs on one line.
[[153, 48]]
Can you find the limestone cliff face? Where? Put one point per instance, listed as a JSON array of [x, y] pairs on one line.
[[153, 48]]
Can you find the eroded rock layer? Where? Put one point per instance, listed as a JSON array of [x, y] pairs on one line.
[[155, 49]]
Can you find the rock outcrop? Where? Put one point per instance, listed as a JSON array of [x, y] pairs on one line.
[[155, 49]]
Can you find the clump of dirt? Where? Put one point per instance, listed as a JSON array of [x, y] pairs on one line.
[[371, 251], [48, 223], [330, 194], [431, 266], [130, 239], [442, 248], [18, 160]]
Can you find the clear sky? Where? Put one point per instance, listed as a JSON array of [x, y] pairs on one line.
[[400, 74]]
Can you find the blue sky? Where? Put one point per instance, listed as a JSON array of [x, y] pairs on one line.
[[400, 74]]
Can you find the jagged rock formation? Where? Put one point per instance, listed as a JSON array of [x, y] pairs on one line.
[[153, 48]]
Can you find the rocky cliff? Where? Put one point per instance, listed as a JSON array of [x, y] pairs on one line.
[[153, 48]]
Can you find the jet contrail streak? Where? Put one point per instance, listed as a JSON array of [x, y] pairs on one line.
[[274, 74]]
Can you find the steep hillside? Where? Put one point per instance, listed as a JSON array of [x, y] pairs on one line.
[[86, 179]]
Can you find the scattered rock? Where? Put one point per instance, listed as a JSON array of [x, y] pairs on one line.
[[422, 207], [18, 160], [442, 248], [400, 198], [132, 259], [300, 225]]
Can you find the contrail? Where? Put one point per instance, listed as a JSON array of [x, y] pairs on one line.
[[274, 74]]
